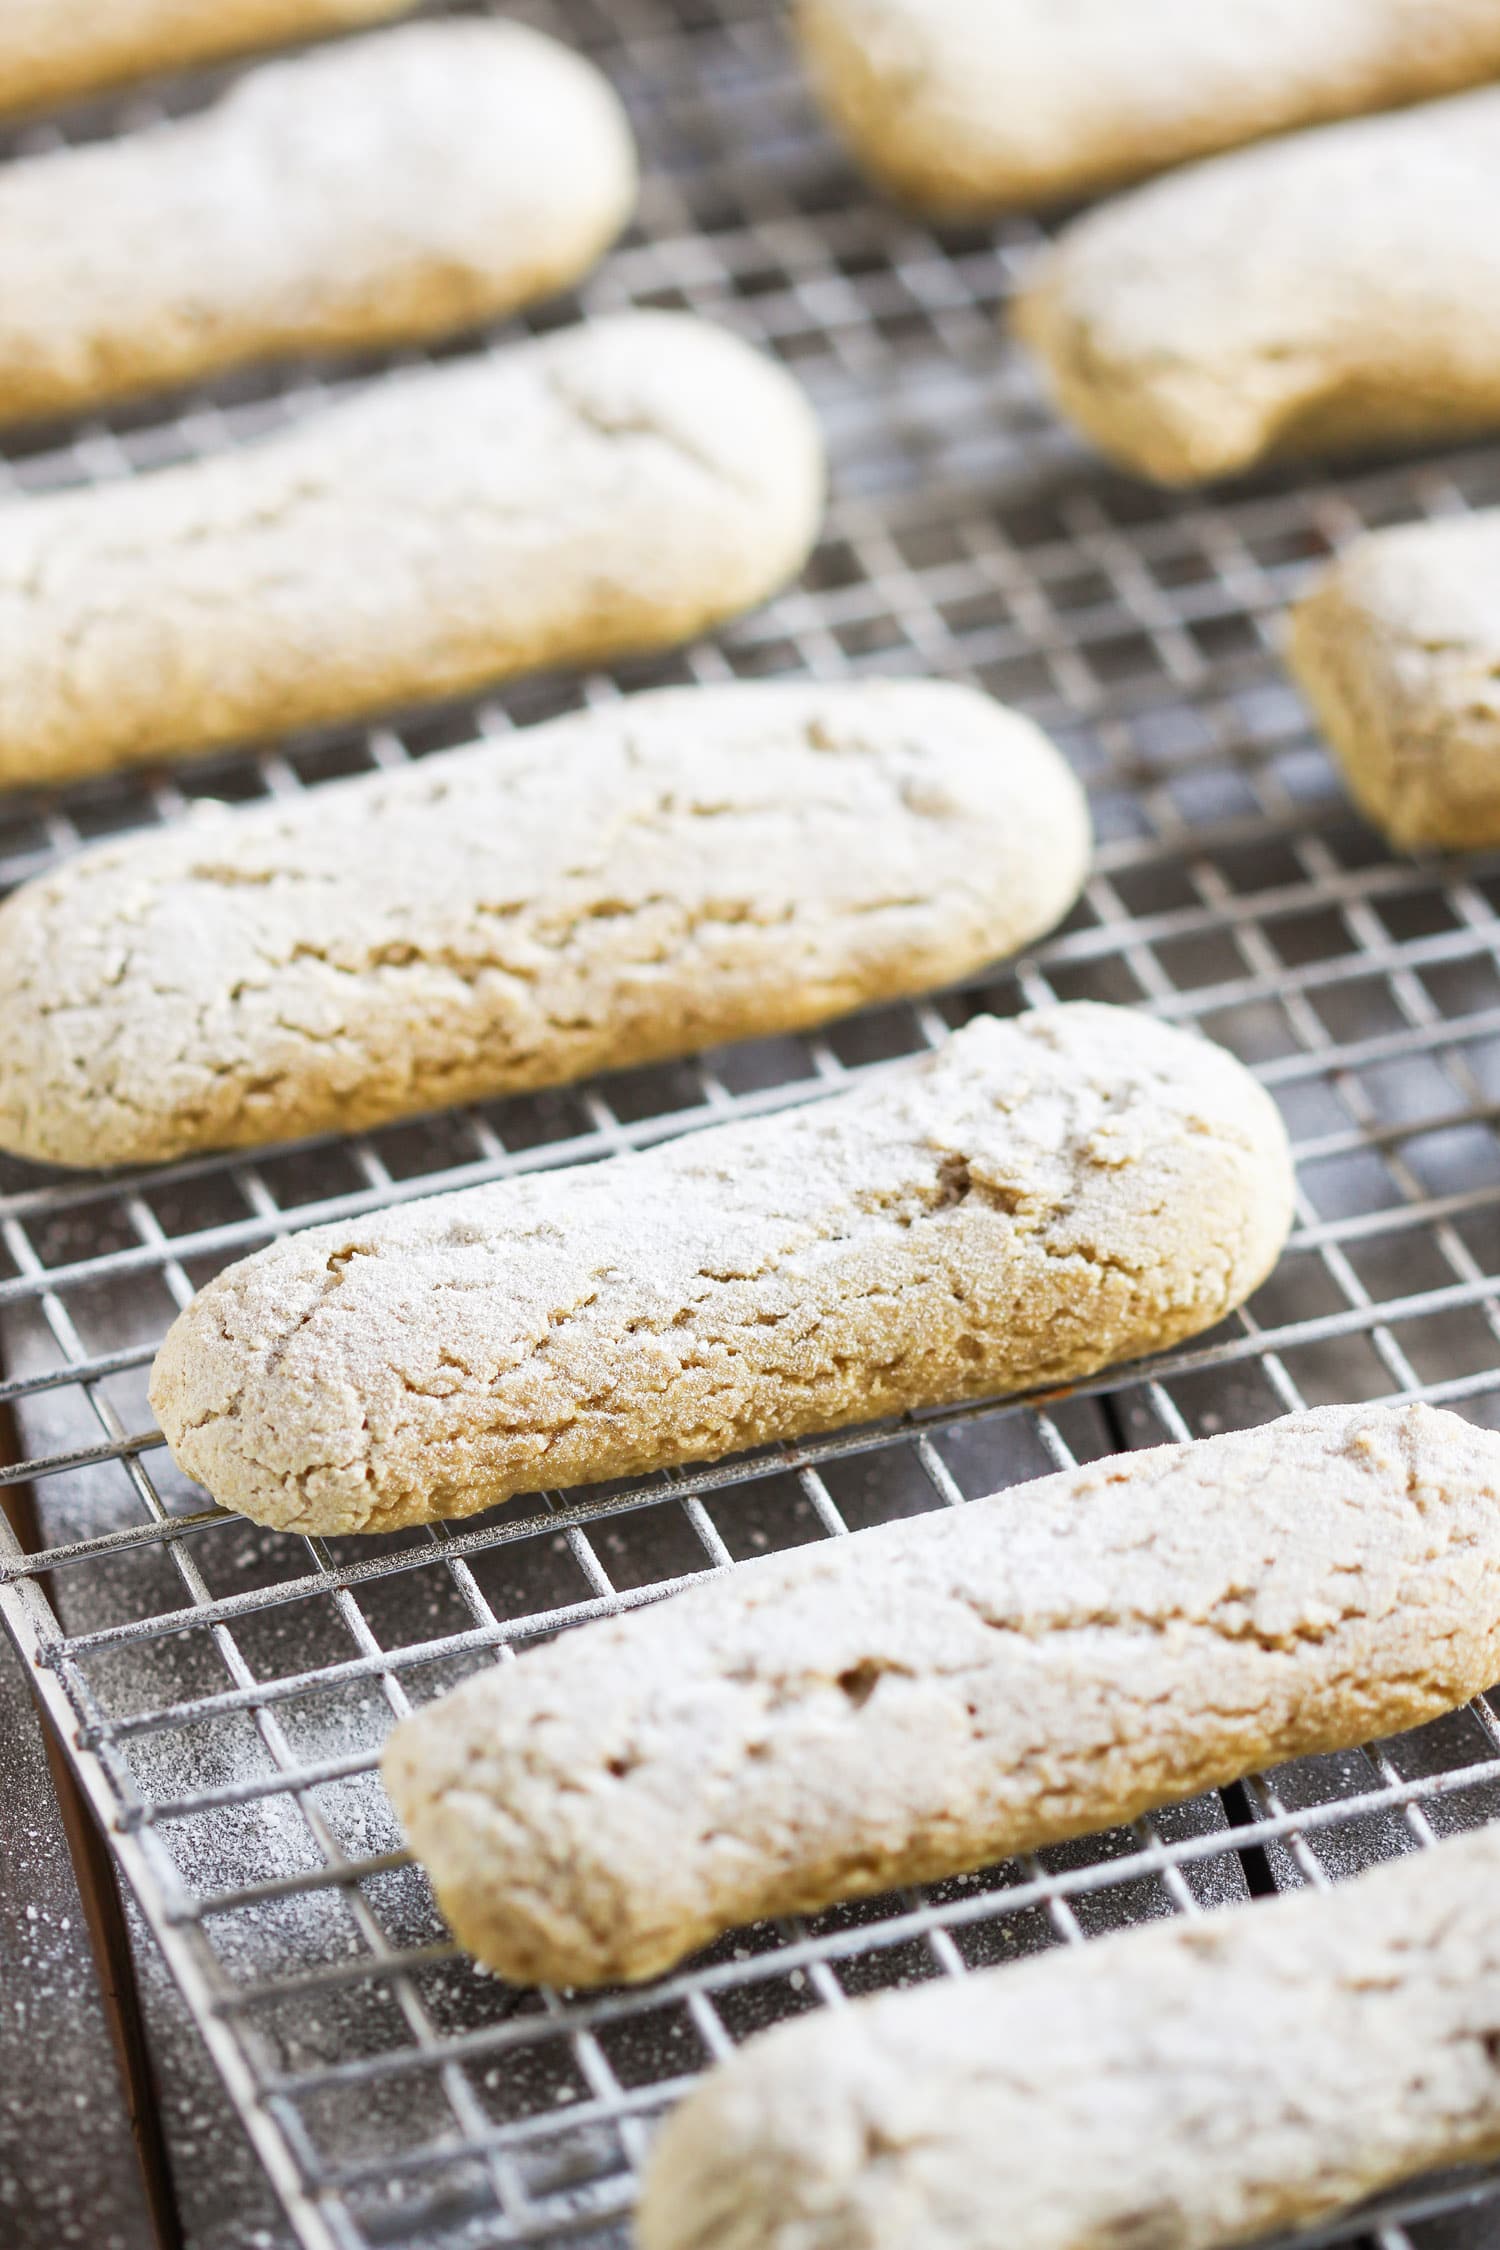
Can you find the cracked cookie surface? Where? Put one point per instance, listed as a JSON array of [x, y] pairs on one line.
[[1360, 304], [680, 868], [614, 487], [1397, 648], [1033, 1201], [978, 108], [916, 1701], [381, 191], [1195, 2083]]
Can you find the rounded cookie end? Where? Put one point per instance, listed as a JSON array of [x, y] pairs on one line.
[[766, 2146], [252, 1402]]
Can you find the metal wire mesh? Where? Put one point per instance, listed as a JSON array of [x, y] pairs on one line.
[[225, 1691]]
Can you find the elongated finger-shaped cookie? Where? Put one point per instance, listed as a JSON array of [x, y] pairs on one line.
[[679, 868], [387, 189], [1338, 288], [1197, 2083], [917, 1701], [982, 105], [52, 50], [617, 486], [1397, 648], [1033, 1201]]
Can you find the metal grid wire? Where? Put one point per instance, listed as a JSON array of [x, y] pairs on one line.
[[224, 1691]]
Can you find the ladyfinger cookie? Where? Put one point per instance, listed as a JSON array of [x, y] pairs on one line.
[[1397, 649], [679, 868], [966, 107], [1031, 1202], [920, 1700], [384, 190], [1338, 288], [1194, 2083], [52, 50], [614, 487]]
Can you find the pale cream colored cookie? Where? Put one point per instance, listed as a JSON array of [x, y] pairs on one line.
[[1195, 2083], [380, 191], [1397, 648], [637, 881], [53, 50], [920, 1700], [616, 486], [1338, 288], [1033, 1201], [982, 105]]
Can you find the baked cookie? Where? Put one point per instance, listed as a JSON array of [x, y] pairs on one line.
[[380, 191], [976, 106], [671, 870], [1397, 649], [618, 486], [1195, 2083], [1033, 1201], [54, 50], [1335, 289], [920, 1700]]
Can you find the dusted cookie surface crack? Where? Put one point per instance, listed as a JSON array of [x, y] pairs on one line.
[[1128, 1185], [1193, 2084], [685, 867], [920, 1700]]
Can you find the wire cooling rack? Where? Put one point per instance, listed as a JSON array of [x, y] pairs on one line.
[[223, 1692]]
